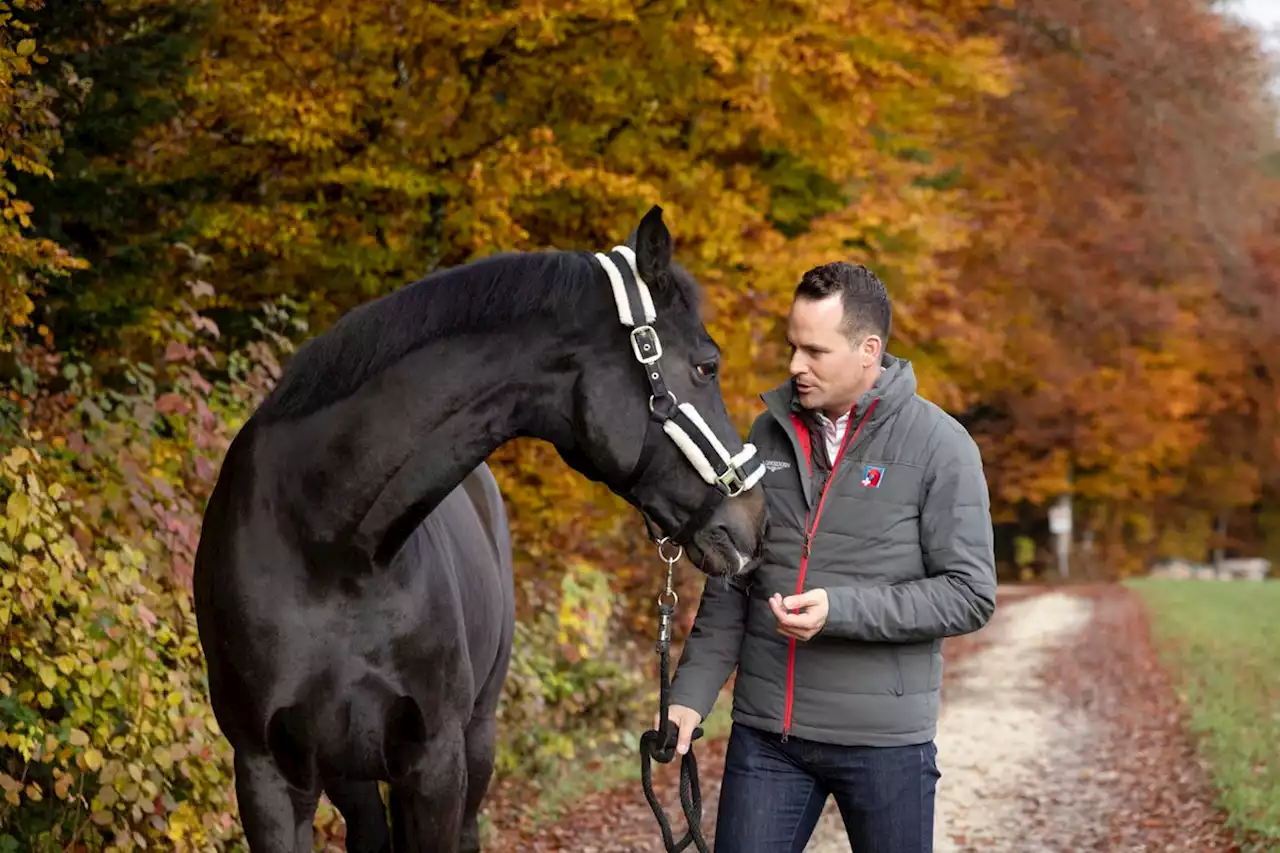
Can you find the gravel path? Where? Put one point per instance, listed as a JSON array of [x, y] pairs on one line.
[[1008, 744]]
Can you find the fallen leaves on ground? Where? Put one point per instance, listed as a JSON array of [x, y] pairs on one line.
[[1160, 795]]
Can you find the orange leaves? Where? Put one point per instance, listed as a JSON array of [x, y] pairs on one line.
[[430, 104], [1114, 190]]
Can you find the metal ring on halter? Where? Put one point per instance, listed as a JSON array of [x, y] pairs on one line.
[[674, 597], [662, 553], [652, 400]]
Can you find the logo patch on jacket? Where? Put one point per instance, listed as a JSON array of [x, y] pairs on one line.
[[871, 476], [776, 464]]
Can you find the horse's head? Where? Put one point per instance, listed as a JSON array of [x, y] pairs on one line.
[[650, 419]]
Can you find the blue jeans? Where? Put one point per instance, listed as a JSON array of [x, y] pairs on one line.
[[774, 792]]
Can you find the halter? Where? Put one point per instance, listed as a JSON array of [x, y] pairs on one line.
[[729, 475]]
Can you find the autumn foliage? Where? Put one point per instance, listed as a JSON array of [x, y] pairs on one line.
[[1070, 203]]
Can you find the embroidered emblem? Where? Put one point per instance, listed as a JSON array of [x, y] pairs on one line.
[[871, 476], [776, 464]]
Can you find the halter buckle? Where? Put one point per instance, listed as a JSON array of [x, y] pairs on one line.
[[732, 482], [645, 344]]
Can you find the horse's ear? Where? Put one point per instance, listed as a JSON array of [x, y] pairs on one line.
[[652, 244]]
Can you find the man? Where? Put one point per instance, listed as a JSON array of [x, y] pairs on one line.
[[879, 546]]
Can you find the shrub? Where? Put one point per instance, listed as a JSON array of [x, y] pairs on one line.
[[107, 739], [574, 686], [106, 731]]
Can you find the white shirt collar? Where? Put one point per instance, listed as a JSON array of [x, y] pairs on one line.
[[833, 433]]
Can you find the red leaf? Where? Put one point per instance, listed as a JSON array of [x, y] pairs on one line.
[[172, 404], [177, 351]]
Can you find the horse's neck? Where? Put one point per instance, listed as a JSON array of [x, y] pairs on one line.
[[371, 467]]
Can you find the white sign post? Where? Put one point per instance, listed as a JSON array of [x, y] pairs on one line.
[[1060, 527]]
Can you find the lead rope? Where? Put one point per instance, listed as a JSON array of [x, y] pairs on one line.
[[660, 744]]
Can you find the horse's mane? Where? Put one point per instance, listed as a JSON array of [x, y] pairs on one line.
[[476, 297]]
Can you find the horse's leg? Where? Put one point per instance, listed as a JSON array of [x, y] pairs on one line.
[[479, 753], [304, 818], [277, 817], [427, 803], [364, 814]]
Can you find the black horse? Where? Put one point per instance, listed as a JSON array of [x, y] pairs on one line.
[[353, 582]]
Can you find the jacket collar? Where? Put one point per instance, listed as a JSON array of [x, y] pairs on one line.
[[895, 386]]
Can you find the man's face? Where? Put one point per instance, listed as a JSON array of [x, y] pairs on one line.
[[830, 371]]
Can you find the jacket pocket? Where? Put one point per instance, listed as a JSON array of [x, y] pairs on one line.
[[849, 668], [919, 668]]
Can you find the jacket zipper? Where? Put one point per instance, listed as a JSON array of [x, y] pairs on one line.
[[809, 531]]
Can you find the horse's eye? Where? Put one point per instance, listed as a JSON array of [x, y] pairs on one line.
[[707, 369]]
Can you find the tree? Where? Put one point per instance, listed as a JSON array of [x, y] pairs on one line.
[[1122, 181], [353, 148], [113, 71], [28, 136]]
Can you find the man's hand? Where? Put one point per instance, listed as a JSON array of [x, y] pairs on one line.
[[686, 719], [801, 616]]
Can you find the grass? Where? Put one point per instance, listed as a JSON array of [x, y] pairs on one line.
[[1221, 643]]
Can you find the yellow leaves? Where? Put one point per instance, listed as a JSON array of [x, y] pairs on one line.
[[184, 823], [12, 789], [585, 607], [18, 458], [17, 513], [28, 135], [92, 635]]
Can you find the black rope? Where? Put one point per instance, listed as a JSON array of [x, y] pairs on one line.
[[660, 745]]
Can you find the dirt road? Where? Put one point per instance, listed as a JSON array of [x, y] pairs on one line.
[[1004, 739], [1059, 733]]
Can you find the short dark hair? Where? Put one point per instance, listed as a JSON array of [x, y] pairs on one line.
[[866, 302]]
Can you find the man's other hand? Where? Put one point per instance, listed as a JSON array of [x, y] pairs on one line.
[[686, 719], [801, 616]]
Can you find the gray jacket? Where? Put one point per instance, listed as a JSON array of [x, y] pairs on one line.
[[901, 541]]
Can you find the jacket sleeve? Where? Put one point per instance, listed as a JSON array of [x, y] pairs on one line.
[[958, 594], [711, 651]]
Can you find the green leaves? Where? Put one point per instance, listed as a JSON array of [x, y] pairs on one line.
[[573, 686]]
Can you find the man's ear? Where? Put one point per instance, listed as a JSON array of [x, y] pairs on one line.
[[872, 350], [651, 242]]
